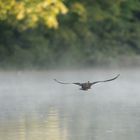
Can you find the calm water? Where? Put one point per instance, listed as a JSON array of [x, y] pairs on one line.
[[34, 107]]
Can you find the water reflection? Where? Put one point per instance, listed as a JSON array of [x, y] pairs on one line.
[[34, 127], [33, 107]]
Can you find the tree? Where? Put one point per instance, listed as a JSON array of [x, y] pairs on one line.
[[29, 13]]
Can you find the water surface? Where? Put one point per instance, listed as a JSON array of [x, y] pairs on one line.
[[34, 107]]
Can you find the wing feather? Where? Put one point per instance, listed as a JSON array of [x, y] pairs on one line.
[[79, 84], [61, 82], [66, 83], [106, 80]]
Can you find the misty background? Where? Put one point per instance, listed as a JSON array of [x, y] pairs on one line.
[[50, 34]]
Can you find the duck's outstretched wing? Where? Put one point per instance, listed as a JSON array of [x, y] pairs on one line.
[[106, 80], [61, 82], [79, 84], [66, 83]]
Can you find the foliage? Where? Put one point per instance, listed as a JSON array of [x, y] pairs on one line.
[[91, 33], [29, 13]]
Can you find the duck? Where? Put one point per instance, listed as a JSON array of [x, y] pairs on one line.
[[87, 85]]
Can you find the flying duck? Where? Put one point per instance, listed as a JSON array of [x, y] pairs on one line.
[[87, 85]]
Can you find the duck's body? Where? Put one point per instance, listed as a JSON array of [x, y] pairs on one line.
[[84, 86], [87, 85]]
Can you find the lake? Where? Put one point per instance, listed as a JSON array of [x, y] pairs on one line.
[[34, 107]]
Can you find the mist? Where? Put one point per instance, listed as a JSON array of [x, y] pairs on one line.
[[33, 105]]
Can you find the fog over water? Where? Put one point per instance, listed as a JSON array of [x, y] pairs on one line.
[[34, 107]]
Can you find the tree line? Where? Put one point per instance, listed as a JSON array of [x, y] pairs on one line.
[[48, 33]]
